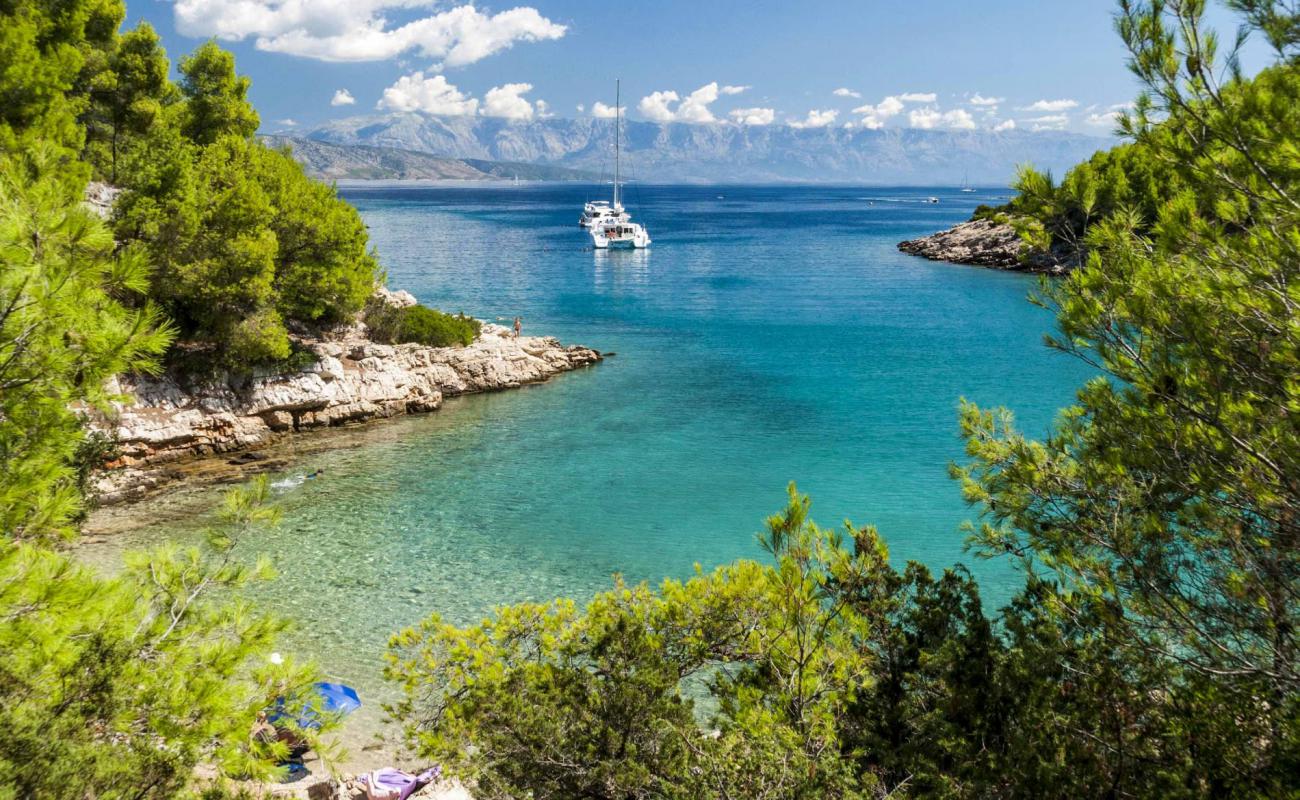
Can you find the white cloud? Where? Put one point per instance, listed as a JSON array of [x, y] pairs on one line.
[[434, 95], [507, 101], [1005, 125], [845, 92], [543, 109], [1103, 120], [816, 119], [342, 98], [357, 30], [874, 117], [655, 106], [602, 111], [735, 89], [958, 119], [1048, 122], [289, 123], [978, 99], [692, 108], [581, 108], [754, 116], [918, 97], [1050, 105]]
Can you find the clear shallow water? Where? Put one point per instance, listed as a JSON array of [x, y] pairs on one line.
[[775, 334]]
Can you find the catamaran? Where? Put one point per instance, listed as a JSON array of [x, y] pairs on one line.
[[616, 228]]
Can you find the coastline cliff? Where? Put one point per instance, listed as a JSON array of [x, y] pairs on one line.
[[987, 243], [168, 421]]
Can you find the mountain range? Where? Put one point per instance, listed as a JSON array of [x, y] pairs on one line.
[[723, 152], [364, 162]]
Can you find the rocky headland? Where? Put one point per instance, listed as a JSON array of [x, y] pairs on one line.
[[987, 243], [168, 422]]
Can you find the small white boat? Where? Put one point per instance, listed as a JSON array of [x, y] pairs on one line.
[[616, 229], [931, 199], [965, 184]]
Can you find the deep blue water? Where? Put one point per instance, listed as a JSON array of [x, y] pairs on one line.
[[769, 335]]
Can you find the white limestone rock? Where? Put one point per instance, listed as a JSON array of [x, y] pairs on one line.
[[162, 421]]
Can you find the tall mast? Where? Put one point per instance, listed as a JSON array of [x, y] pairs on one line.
[[618, 111]]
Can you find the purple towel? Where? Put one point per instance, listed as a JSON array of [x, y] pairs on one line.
[[404, 783]]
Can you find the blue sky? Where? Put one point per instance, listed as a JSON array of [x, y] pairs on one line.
[[1035, 65]]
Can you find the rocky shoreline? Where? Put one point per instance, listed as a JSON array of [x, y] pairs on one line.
[[986, 243], [169, 426]]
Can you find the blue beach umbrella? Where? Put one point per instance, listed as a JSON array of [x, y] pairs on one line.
[[327, 698]]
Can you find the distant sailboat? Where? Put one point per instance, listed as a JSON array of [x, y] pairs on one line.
[[965, 184], [616, 228]]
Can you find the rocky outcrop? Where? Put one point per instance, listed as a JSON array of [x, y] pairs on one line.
[[167, 420], [100, 197], [986, 243]]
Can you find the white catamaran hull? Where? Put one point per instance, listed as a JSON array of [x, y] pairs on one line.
[[637, 239]]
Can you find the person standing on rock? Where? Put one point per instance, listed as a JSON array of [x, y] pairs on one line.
[[518, 324]]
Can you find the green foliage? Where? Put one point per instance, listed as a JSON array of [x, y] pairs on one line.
[[63, 334], [242, 241], [1165, 500], [823, 674], [95, 449], [1153, 650], [934, 719], [545, 701], [118, 687], [127, 98], [48, 53], [219, 261], [419, 324], [323, 272], [1130, 179], [216, 97]]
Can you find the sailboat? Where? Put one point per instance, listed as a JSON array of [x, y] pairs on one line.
[[965, 185], [615, 228]]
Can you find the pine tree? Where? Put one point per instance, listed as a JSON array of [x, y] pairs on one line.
[[127, 98], [63, 335], [216, 98]]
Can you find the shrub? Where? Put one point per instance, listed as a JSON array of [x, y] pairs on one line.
[[259, 338], [421, 325], [428, 326]]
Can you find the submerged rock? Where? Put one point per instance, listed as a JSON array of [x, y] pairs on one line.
[[986, 243], [167, 420]]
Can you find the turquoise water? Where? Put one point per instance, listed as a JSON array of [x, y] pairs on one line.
[[769, 335]]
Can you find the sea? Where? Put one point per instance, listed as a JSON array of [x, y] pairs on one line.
[[769, 335]]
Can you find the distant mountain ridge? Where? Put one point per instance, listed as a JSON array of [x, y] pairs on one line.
[[365, 162], [723, 152]]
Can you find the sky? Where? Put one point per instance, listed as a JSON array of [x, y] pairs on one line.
[[1034, 65]]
